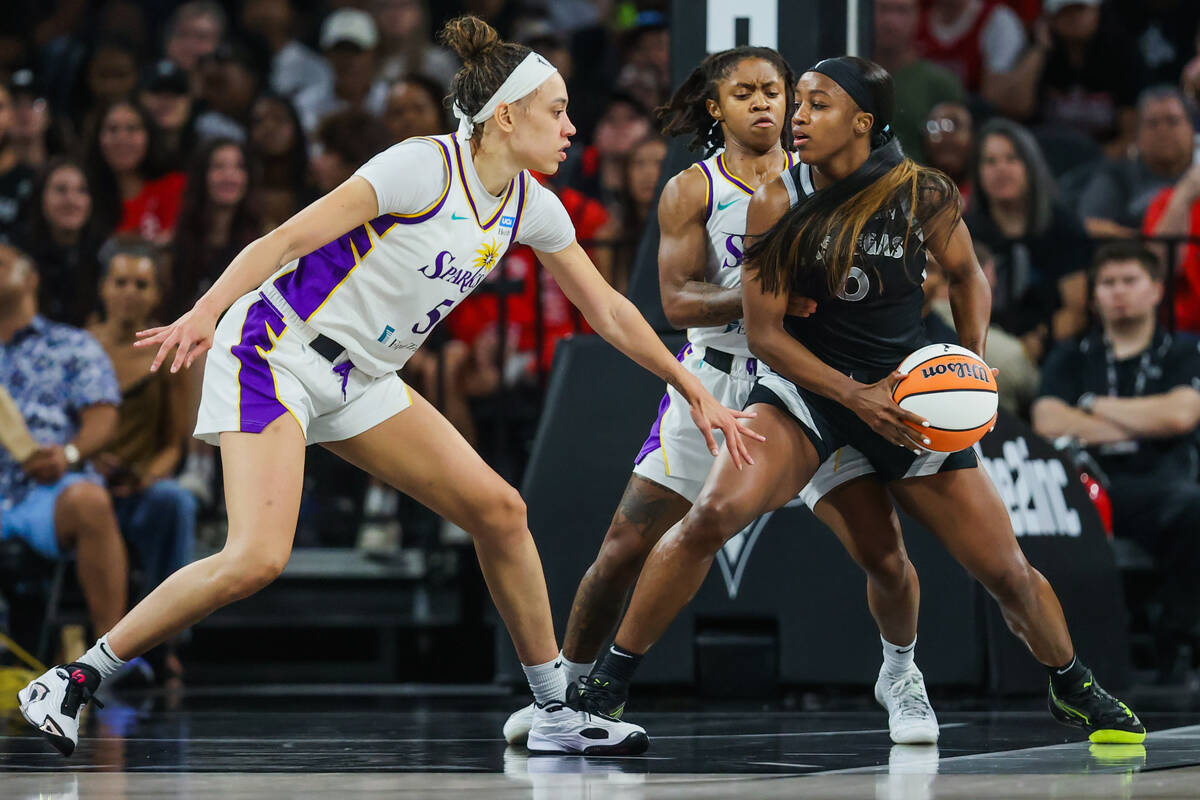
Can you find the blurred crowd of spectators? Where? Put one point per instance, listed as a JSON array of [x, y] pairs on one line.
[[143, 144]]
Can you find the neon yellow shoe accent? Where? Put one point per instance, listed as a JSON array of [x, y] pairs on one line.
[[1112, 736], [1086, 685], [1069, 709]]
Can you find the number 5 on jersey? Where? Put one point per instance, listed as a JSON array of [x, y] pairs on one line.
[[434, 315]]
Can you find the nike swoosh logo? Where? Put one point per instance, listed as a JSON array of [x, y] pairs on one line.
[[454, 215], [613, 650], [104, 649], [723, 206], [907, 649], [557, 664]]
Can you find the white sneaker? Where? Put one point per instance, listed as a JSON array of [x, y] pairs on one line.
[[558, 728], [51, 703], [516, 727], [910, 716]]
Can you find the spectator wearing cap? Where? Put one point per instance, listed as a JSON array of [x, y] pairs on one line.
[[920, 84], [16, 178], [1077, 76], [62, 238], [36, 134], [131, 192], [980, 41], [406, 45], [348, 40], [414, 108], [165, 94], [193, 32], [1118, 195], [230, 78], [294, 66]]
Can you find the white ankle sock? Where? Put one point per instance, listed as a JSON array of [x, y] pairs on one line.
[[575, 670], [897, 658], [547, 681], [101, 658]]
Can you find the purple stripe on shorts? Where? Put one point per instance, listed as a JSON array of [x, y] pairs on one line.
[[654, 441], [258, 404]]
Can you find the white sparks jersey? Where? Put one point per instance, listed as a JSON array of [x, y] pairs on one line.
[[725, 215], [380, 289]]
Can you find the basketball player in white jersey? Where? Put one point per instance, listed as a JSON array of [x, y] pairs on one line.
[[321, 314], [736, 106]]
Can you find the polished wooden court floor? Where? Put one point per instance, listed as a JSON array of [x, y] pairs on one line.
[[325, 742]]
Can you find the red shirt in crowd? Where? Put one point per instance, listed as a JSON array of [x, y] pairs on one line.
[[1187, 274], [153, 212], [962, 56]]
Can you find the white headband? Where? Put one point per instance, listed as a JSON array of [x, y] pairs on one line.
[[529, 75]]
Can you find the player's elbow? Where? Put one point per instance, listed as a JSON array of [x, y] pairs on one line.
[[675, 312], [761, 340]]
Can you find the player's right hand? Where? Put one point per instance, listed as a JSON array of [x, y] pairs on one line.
[[800, 306], [874, 405], [191, 335]]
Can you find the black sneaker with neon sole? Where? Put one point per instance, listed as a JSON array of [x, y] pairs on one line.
[[599, 694], [1106, 719]]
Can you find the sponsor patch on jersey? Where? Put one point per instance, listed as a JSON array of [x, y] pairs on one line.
[[507, 222]]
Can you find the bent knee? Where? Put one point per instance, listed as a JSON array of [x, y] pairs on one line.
[[1012, 582], [711, 522], [241, 575], [502, 513], [83, 502], [624, 549], [888, 567]]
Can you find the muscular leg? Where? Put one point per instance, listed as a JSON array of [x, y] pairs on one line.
[[84, 520], [421, 454], [264, 473], [646, 511], [962, 509], [860, 513], [730, 500]]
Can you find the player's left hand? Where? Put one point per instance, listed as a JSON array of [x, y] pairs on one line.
[[709, 415]]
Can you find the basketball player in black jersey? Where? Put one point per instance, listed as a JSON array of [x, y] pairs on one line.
[[852, 231]]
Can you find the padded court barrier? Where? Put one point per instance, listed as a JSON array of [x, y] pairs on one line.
[[790, 569]]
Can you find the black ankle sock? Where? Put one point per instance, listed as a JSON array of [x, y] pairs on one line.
[[1068, 679], [618, 663]]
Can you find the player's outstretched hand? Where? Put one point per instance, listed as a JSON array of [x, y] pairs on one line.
[[191, 334], [873, 404], [709, 415]]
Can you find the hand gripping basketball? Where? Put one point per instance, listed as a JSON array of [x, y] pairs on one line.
[[954, 390]]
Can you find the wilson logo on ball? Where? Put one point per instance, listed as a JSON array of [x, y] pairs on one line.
[[954, 390]]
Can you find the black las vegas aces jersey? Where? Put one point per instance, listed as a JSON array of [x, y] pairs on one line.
[[874, 322]]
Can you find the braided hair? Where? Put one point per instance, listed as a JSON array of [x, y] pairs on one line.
[[687, 111]]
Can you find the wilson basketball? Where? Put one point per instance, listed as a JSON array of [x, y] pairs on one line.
[[954, 390]]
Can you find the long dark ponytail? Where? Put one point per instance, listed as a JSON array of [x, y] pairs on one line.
[[814, 244], [687, 111]]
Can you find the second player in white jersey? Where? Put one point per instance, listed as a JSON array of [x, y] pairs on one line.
[[321, 313]]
